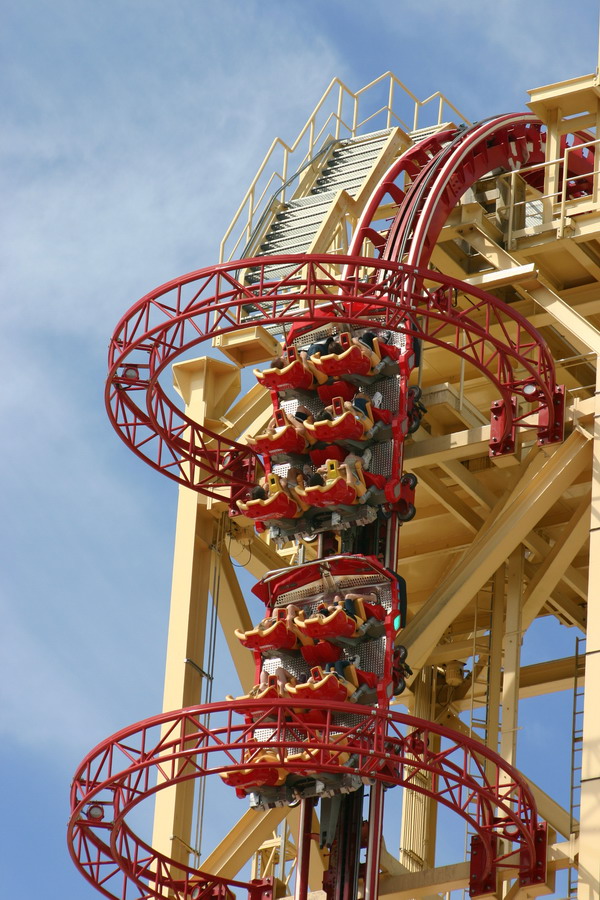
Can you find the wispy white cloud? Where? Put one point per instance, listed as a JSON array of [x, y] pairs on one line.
[[135, 180], [131, 133]]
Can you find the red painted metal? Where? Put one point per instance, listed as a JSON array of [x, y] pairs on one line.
[[505, 142], [411, 163], [502, 438], [305, 837], [190, 310], [375, 836], [122, 772], [483, 879], [376, 293]]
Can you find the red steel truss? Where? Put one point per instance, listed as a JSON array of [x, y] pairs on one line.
[[185, 312], [380, 747]]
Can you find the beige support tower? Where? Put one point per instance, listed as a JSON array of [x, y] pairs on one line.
[[507, 525]]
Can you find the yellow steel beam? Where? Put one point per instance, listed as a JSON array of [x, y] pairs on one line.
[[534, 681], [503, 532], [567, 611], [469, 483], [449, 500], [252, 411], [489, 281], [183, 681], [208, 386], [242, 841], [548, 677], [318, 859], [428, 882], [458, 445], [589, 834], [586, 257], [535, 542], [233, 613], [549, 572], [251, 831], [445, 394], [580, 330], [511, 656], [494, 661], [443, 879]]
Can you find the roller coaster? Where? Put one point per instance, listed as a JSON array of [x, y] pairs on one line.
[[320, 726]]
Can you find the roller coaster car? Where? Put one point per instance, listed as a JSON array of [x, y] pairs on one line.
[[278, 505], [293, 377], [324, 686], [334, 624], [351, 362], [345, 426], [336, 491], [284, 439], [277, 636]]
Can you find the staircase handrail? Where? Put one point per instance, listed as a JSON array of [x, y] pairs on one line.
[[274, 199]]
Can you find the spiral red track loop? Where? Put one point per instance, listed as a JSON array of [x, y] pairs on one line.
[[190, 310], [380, 746]]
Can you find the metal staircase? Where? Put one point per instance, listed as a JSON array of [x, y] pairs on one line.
[[296, 226]]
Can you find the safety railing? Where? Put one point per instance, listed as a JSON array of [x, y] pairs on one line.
[[340, 114], [528, 211]]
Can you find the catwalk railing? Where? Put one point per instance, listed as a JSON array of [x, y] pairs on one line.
[[340, 114]]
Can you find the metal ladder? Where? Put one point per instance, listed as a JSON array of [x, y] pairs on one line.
[[576, 752], [478, 727]]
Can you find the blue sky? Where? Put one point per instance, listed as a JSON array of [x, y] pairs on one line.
[[131, 130]]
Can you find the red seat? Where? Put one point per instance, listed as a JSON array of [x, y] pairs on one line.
[[374, 611], [343, 389], [326, 686], [294, 376], [319, 457], [320, 653], [351, 362], [377, 481], [283, 440], [381, 415], [265, 771], [277, 637], [276, 506], [332, 493], [343, 428], [330, 625]]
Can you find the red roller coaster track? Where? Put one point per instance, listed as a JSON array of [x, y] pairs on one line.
[[380, 746], [394, 291], [190, 310]]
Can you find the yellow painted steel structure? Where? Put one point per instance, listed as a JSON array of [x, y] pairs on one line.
[[496, 544]]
